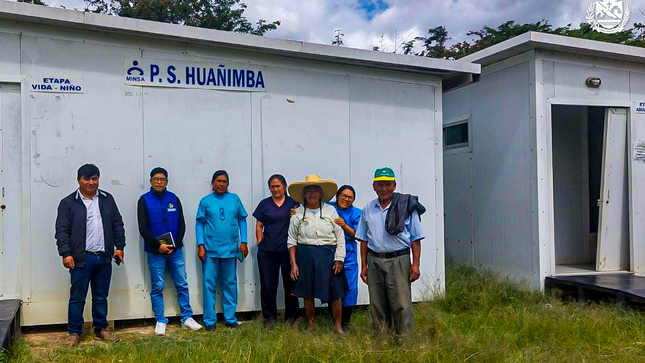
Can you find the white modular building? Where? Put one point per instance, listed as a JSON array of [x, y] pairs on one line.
[[129, 95], [544, 159]]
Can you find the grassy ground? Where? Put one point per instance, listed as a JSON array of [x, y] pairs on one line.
[[481, 319]]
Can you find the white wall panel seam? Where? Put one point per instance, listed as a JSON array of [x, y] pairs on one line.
[[349, 126], [25, 279], [439, 215], [535, 243]]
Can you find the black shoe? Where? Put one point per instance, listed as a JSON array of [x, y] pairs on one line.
[[268, 324], [210, 327], [233, 326], [292, 321]]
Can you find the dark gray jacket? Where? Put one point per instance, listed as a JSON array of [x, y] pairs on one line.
[[71, 223], [401, 208]]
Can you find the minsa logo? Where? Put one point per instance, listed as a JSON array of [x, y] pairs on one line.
[[608, 16], [135, 73]]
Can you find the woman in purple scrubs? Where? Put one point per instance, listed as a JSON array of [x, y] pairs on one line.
[[271, 228]]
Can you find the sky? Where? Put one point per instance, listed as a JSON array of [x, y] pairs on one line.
[[388, 23]]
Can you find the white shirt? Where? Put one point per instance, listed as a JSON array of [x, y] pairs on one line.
[[316, 231], [94, 239]]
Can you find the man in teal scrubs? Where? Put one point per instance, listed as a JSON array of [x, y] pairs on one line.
[[221, 233]]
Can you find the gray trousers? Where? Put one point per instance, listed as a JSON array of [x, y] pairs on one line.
[[390, 293]]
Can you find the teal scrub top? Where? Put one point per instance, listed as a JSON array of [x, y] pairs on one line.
[[220, 224]]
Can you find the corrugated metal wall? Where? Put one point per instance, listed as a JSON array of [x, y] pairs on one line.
[[501, 174], [458, 183]]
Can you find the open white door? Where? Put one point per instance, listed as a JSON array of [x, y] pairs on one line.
[[613, 227]]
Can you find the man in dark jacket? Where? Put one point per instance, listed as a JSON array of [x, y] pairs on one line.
[[88, 229], [162, 226]]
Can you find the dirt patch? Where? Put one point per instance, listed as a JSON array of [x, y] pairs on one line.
[[43, 344]]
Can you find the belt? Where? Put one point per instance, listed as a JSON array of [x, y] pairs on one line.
[[405, 251], [95, 253]]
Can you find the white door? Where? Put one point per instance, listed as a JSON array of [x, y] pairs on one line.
[[192, 133], [613, 227]]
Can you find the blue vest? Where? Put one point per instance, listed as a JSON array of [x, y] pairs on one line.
[[163, 216]]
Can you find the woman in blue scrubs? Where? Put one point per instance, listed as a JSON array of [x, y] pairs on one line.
[[220, 228], [348, 221]]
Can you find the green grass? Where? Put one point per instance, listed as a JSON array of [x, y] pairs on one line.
[[481, 319]]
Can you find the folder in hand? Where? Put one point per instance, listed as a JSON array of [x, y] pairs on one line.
[[167, 239]]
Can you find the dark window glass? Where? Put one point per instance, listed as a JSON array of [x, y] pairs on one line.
[[456, 135]]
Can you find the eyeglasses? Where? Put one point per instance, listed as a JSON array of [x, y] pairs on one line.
[[346, 197], [221, 214], [159, 180]]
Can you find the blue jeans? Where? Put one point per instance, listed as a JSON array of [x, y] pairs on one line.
[[224, 270], [97, 272], [177, 265]]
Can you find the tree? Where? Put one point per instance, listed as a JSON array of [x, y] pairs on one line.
[[434, 45], [338, 38], [212, 14], [35, 2], [408, 47]]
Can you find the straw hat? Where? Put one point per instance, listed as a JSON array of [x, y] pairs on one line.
[[329, 188]]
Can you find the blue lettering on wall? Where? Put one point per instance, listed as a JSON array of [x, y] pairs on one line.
[[158, 73], [201, 76], [154, 71], [70, 88], [190, 75], [172, 78], [238, 78], [250, 78], [211, 77], [260, 80], [221, 76]]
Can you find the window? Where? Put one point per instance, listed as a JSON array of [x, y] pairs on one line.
[[455, 136]]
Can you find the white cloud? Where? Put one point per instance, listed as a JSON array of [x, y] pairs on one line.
[[417, 16], [315, 20]]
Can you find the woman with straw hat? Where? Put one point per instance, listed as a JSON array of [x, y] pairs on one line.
[[317, 248]]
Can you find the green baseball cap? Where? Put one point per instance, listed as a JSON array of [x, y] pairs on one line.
[[384, 174]]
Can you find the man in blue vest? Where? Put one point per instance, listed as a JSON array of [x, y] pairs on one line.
[[162, 226]]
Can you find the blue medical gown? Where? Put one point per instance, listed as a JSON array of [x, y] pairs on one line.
[[351, 216]]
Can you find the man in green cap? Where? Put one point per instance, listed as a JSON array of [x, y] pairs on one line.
[[386, 242]]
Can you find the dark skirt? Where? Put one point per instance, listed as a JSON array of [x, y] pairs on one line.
[[317, 279]]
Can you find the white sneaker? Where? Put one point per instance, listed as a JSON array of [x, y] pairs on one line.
[[160, 329], [191, 324]]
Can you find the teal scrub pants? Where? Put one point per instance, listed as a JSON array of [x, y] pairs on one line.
[[223, 270]]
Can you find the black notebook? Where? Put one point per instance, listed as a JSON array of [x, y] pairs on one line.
[[167, 239]]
